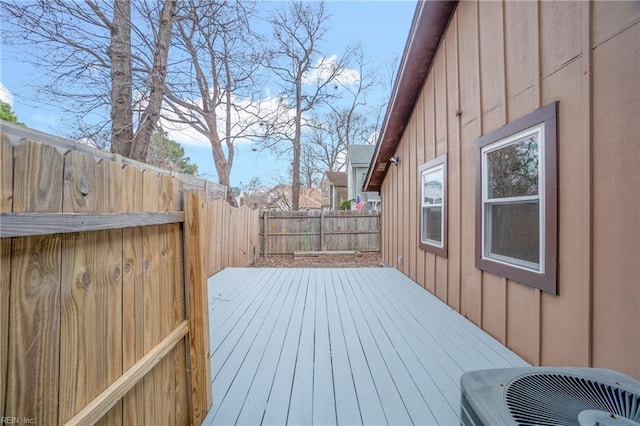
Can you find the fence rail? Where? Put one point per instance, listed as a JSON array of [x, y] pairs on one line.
[[31, 224], [289, 232]]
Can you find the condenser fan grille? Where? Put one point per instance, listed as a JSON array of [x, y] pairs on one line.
[[558, 399]]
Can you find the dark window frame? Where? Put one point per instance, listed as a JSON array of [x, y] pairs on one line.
[[439, 251], [546, 280]]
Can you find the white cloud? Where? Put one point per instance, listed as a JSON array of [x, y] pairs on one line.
[[5, 95], [243, 123], [183, 133], [325, 67]]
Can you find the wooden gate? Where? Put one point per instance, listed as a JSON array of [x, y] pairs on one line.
[[103, 301]]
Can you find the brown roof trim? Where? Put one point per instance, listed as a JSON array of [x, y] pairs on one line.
[[429, 24]]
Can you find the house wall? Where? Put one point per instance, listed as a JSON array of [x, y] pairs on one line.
[[496, 63], [335, 198], [327, 192], [357, 173]]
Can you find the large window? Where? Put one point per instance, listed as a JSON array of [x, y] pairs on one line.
[[433, 206], [516, 212]]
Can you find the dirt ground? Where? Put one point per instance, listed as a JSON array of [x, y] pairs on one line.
[[359, 260]]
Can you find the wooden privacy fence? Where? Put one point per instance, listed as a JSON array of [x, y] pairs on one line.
[[103, 301], [288, 232], [232, 235]]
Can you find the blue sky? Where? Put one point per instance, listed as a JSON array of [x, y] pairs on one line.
[[380, 27]]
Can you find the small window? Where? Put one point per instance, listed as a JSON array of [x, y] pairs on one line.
[[516, 212], [433, 206]]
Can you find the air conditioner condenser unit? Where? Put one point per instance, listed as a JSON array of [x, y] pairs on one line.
[[549, 396]]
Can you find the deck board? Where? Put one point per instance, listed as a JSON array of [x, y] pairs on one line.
[[277, 406], [253, 410], [346, 399], [443, 411], [338, 346], [369, 403], [232, 403], [324, 407]]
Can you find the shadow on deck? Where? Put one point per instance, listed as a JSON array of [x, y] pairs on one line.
[[338, 346]]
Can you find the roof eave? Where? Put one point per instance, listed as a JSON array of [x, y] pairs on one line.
[[429, 24]]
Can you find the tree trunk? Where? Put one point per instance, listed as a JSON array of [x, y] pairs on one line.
[[222, 166], [121, 79], [295, 185], [295, 178], [151, 114]]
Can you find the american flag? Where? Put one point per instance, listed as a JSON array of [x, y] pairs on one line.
[[360, 203]]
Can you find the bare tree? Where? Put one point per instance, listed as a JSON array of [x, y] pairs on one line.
[[91, 69], [119, 52], [213, 90], [310, 170], [156, 80], [254, 194], [346, 123], [307, 79]]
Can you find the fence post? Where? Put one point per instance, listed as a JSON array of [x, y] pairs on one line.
[[321, 230], [197, 306], [264, 232]]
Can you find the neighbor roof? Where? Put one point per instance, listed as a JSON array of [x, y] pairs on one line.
[[429, 24], [337, 178], [361, 154]]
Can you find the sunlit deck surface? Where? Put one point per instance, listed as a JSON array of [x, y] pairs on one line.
[[338, 346]]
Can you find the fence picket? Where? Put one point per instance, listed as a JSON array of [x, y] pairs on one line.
[[34, 329], [6, 195], [133, 295]]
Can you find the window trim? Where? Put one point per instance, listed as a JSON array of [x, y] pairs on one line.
[[438, 162], [546, 280], [487, 202]]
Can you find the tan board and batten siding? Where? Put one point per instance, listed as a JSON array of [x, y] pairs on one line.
[[496, 62]]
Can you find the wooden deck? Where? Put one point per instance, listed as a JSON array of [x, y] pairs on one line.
[[338, 346]]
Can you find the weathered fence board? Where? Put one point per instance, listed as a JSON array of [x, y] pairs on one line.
[[289, 232], [91, 351], [151, 236], [133, 295], [6, 194], [34, 325]]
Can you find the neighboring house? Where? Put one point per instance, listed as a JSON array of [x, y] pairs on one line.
[[358, 160], [280, 198], [334, 190], [516, 197]]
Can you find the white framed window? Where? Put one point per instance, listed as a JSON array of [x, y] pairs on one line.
[[513, 189], [516, 200], [433, 206]]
